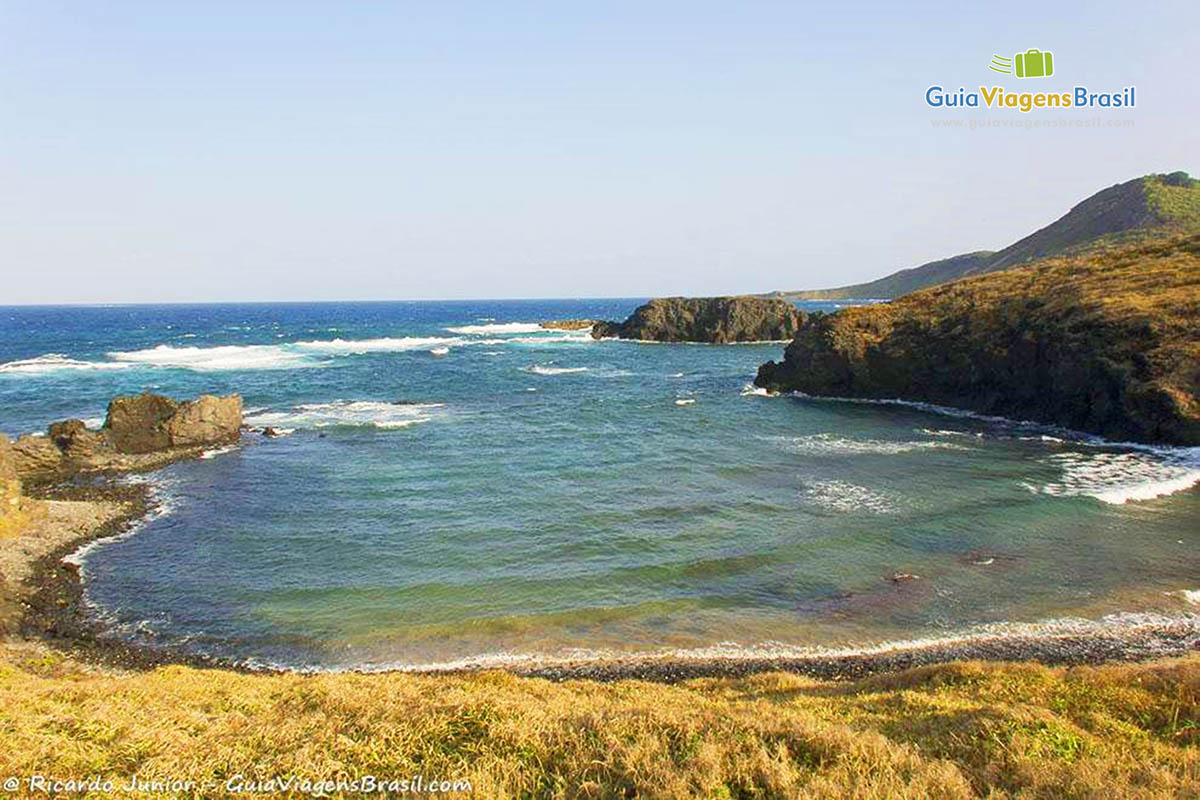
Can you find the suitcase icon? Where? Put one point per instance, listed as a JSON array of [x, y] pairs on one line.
[[1033, 63]]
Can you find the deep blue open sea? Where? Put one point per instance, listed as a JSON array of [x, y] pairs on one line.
[[458, 484]]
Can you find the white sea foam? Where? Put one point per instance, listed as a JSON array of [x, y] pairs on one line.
[[1191, 595], [685, 401], [829, 444], [162, 501], [350, 413], [1120, 477], [224, 357], [54, 362], [440, 351], [550, 369], [1145, 634], [755, 391], [848, 497], [382, 345], [498, 328], [218, 451]]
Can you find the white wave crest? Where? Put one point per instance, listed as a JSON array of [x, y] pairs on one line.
[[498, 328], [685, 401], [383, 345], [755, 391], [218, 451], [224, 357], [350, 413], [1121, 477], [828, 444], [54, 362], [549, 369]]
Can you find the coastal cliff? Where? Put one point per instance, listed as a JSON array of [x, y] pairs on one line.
[[1107, 343], [715, 320], [140, 431]]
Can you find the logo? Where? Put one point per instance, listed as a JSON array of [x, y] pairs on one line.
[[1033, 63]]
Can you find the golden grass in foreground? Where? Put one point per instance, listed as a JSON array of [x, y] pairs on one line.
[[960, 730]]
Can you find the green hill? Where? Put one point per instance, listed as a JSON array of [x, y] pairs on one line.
[[1135, 211]]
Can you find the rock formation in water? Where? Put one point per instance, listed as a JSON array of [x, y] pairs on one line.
[[140, 431], [1106, 343], [715, 320]]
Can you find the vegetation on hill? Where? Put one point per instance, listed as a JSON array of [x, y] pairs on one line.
[[1107, 343], [953, 731], [1140, 210]]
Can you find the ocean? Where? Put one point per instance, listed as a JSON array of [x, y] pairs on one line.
[[459, 486]]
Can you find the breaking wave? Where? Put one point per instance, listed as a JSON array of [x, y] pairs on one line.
[[225, 357], [828, 444], [498, 328], [54, 362], [348, 413], [549, 369], [1121, 477]]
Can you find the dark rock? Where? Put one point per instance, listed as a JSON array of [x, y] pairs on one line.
[[36, 457], [1104, 344], [82, 447], [147, 423], [271, 432], [206, 420], [715, 320], [138, 423]]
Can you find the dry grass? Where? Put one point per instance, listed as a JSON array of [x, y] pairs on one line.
[[953, 731]]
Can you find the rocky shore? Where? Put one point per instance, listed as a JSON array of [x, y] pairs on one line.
[[144, 431], [1108, 344], [713, 320], [57, 493]]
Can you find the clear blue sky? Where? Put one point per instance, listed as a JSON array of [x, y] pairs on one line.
[[169, 151]]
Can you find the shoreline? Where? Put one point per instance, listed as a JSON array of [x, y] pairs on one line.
[[54, 614]]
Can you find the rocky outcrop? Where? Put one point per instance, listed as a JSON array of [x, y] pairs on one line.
[[36, 457], [716, 320], [138, 423], [146, 423], [1108, 344], [206, 420], [140, 432]]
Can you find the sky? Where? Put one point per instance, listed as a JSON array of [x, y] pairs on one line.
[[213, 151]]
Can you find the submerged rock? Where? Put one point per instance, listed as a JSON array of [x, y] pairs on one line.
[[715, 320], [1101, 343]]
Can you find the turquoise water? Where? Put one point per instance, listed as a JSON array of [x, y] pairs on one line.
[[459, 485]]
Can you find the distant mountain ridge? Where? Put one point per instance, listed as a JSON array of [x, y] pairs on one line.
[[1145, 208]]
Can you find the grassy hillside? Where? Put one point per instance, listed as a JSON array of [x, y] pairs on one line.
[[1106, 342], [954, 731], [1139, 210]]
